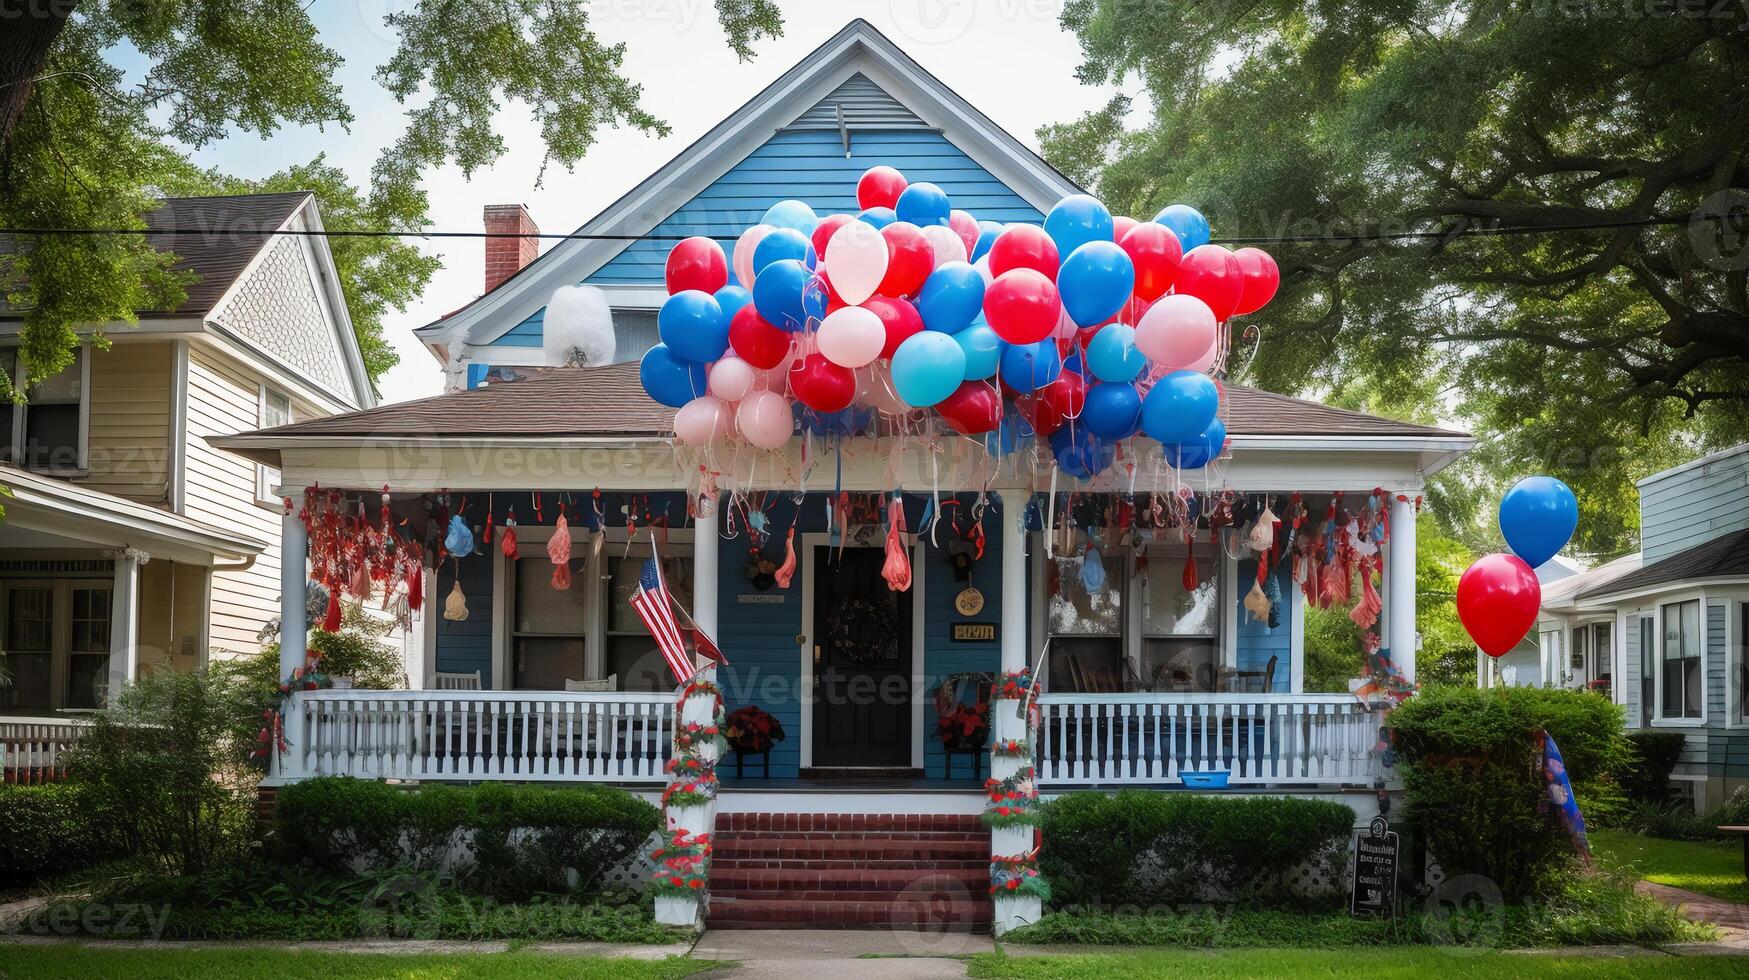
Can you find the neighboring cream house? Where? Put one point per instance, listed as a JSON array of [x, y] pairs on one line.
[[128, 542]]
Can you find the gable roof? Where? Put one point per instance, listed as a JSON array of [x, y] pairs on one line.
[[788, 104], [1564, 592], [1724, 556]]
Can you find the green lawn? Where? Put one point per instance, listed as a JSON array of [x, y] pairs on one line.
[[81, 962], [1709, 867], [1361, 964]]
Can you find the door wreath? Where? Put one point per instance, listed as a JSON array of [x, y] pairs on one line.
[[862, 631]]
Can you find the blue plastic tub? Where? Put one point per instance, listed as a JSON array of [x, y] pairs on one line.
[[1213, 779]]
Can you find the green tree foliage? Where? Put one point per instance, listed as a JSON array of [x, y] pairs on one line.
[[87, 145], [1595, 355]]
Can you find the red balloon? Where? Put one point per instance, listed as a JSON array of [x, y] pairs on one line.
[[879, 187], [756, 341], [1258, 277], [1022, 306], [910, 259], [1120, 226], [1133, 311], [1047, 408], [973, 408], [899, 317], [823, 231], [1211, 274], [1497, 599], [696, 263], [1155, 252], [1024, 247], [822, 385]]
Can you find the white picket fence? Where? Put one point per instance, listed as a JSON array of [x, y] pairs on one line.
[[31, 750], [469, 736], [1258, 739]]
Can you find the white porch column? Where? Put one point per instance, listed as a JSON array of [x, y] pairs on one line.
[[1401, 571], [705, 544], [1013, 579], [124, 620], [294, 550]]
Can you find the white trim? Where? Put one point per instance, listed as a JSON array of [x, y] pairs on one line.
[[1682, 586], [58, 507], [84, 455], [1658, 719], [1734, 660], [1296, 645], [227, 344], [264, 484], [1693, 464], [178, 455]]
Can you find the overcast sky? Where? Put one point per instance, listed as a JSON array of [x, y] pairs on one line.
[[1007, 57]]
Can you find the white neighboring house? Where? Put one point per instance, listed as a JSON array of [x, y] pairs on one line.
[[130, 544]]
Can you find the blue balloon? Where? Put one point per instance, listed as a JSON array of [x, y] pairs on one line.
[[987, 232], [1028, 367], [951, 298], [847, 422], [670, 380], [1095, 281], [780, 244], [1113, 410], [1075, 362], [777, 294], [1197, 453], [879, 217], [927, 367], [923, 204], [1079, 452], [1112, 354], [1179, 407], [791, 214], [692, 325], [1538, 517], [731, 298], [1187, 223], [1006, 438], [983, 350], [1077, 220]]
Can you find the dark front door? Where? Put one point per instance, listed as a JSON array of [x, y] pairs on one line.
[[862, 662]]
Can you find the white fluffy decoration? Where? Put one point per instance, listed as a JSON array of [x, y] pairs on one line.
[[578, 328]]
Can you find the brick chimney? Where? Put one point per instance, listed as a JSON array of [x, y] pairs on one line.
[[506, 256]]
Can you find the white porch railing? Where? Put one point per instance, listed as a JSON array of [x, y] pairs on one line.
[[466, 736], [1258, 739], [31, 749]]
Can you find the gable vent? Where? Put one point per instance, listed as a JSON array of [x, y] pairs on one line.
[[863, 105]]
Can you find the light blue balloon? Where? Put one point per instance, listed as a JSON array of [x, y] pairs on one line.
[[1187, 223], [692, 325], [1180, 407], [670, 380], [927, 367], [1077, 220], [1113, 410], [1198, 452], [1538, 517], [951, 297], [923, 204], [1095, 281], [791, 214], [1112, 354], [1029, 367], [777, 294], [731, 298], [987, 232], [983, 350], [780, 244], [879, 217]]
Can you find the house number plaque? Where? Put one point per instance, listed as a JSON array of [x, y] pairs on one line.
[[973, 632]]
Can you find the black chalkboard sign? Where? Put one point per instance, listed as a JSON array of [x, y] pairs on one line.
[[1374, 890]]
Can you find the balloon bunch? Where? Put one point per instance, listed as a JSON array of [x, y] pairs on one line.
[[1089, 329], [1499, 596]]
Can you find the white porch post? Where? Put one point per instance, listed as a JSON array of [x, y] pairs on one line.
[[294, 549], [1013, 579], [1401, 572], [705, 544], [124, 620]]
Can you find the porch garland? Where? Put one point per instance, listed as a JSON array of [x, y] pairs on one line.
[[1012, 748], [1013, 801], [1019, 875], [695, 780], [684, 861], [309, 677]]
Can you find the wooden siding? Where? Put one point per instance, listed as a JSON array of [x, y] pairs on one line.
[[1716, 658], [1694, 505], [1631, 676], [129, 449], [172, 614], [464, 646], [1257, 642]]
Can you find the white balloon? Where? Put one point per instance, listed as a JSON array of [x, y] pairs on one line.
[[852, 336], [731, 378], [983, 267], [1176, 331], [874, 386], [857, 256], [743, 257], [946, 243], [702, 421]]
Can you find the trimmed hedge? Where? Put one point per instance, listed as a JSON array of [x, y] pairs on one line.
[[51, 829], [1148, 848], [1647, 778], [523, 840], [1470, 768]]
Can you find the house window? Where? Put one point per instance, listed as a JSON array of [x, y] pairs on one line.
[[1085, 628], [47, 431], [57, 635], [630, 655], [1739, 687], [548, 628], [1180, 628], [1602, 658], [88, 651], [1680, 674], [1140, 632], [30, 651], [275, 409], [1648, 670]]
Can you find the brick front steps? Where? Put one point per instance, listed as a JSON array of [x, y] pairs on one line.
[[849, 871]]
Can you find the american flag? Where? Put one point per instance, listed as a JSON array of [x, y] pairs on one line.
[[656, 609]]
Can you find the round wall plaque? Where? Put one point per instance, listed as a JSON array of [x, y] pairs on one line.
[[969, 602]]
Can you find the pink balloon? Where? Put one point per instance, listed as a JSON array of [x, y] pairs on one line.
[[731, 379], [744, 246], [874, 388], [965, 226], [702, 421], [945, 244], [852, 336], [857, 255], [1176, 331], [765, 421], [1120, 226]]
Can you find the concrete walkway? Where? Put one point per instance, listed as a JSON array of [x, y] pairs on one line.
[[877, 953], [1731, 918]]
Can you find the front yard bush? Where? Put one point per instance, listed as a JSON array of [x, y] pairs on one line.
[[1146, 848], [1646, 777], [503, 840], [52, 829], [1473, 784]]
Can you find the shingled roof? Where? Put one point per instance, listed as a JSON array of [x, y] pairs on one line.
[[610, 401], [1725, 555]]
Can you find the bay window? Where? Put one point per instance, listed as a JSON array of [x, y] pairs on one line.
[[1680, 674]]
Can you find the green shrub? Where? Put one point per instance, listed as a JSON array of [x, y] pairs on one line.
[[1646, 778], [51, 829], [524, 840], [1148, 848], [1472, 784]]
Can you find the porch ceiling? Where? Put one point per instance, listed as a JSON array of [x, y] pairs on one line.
[[43, 509]]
